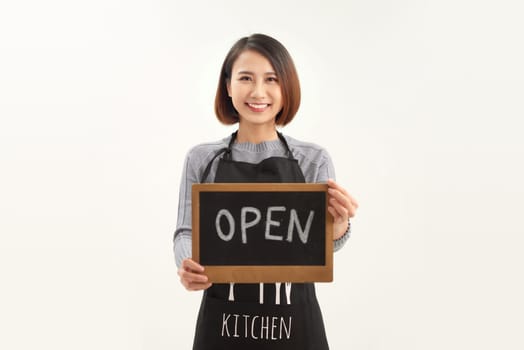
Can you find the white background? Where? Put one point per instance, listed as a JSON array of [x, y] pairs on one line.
[[418, 102]]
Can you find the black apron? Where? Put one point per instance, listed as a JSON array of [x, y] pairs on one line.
[[276, 316]]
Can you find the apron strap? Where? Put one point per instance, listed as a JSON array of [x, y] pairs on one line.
[[227, 155], [283, 140], [208, 167]]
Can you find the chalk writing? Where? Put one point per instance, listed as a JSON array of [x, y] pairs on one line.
[[293, 226]]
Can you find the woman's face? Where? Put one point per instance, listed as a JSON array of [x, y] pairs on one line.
[[255, 89]]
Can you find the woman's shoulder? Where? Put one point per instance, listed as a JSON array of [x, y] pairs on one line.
[[204, 149], [314, 160], [306, 148]]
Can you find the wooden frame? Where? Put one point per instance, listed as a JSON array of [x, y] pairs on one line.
[[263, 273]]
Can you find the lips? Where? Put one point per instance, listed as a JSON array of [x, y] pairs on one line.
[[258, 107]]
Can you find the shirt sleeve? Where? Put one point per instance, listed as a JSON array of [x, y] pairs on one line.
[[182, 237]]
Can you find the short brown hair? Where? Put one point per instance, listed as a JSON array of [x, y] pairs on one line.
[[284, 67]]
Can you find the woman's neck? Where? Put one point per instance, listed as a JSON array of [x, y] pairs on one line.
[[256, 133]]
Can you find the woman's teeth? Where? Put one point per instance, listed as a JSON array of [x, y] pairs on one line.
[[257, 105]]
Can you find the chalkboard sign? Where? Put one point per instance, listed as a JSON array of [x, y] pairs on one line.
[[269, 232]]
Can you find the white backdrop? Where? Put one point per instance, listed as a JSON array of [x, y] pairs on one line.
[[418, 102]]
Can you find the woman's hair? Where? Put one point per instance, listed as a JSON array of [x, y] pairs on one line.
[[284, 67]]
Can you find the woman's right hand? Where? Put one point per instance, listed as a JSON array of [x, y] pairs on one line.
[[191, 275]]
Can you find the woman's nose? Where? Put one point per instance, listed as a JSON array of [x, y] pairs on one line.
[[258, 90]]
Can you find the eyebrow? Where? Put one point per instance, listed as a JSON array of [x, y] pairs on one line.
[[251, 73]]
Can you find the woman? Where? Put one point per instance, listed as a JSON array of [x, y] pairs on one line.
[[258, 89]]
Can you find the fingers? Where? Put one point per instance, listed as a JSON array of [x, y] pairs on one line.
[[340, 192], [338, 211], [337, 218], [343, 203], [191, 265], [340, 198], [333, 184], [192, 277], [340, 222]]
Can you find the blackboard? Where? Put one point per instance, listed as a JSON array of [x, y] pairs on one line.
[[270, 232]]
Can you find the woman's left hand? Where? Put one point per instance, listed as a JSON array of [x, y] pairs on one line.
[[341, 206]]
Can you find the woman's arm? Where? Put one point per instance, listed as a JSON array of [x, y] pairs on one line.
[[190, 272]]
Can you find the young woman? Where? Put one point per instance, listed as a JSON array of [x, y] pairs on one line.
[[258, 89]]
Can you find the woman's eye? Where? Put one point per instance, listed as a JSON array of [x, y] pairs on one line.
[[245, 78], [272, 79]]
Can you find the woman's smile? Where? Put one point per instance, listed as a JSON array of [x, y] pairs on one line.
[[258, 107]]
